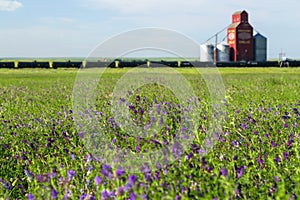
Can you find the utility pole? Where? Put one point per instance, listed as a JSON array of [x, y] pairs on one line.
[[216, 49]]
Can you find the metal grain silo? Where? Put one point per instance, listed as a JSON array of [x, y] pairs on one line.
[[260, 48], [206, 52], [223, 52]]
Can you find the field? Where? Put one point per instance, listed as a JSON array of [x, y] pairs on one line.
[[256, 155]]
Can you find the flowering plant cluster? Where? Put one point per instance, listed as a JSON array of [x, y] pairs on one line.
[[256, 156]]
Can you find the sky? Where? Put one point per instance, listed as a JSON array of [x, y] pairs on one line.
[[73, 28]]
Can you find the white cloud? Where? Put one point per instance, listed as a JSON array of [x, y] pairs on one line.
[[8, 5]]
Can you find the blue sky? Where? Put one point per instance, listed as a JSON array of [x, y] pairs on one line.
[[73, 28]]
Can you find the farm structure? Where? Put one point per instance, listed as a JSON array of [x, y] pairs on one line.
[[241, 45], [240, 37]]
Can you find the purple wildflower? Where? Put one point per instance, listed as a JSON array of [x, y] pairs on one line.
[[41, 178], [97, 180], [29, 174], [239, 171], [224, 172], [177, 149], [92, 198], [66, 150], [54, 194], [147, 177], [53, 175], [158, 108], [189, 156], [132, 179], [90, 168], [141, 111], [68, 195], [252, 120], [89, 158], [6, 185], [286, 117], [71, 174], [73, 157], [30, 197], [120, 171], [127, 187], [112, 194], [83, 196], [120, 191], [236, 191], [157, 175], [105, 195], [209, 169], [203, 162], [161, 121], [178, 197], [235, 143], [106, 171], [137, 148], [152, 119], [273, 144], [182, 189], [155, 142], [285, 155], [244, 126], [144, 197], [293, 196], [290, 142], [137, 98], [132, 196]]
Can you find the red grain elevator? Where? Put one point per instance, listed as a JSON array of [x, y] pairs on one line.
[[240, 37]]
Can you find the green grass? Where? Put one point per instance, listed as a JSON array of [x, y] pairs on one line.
[[257, 155]]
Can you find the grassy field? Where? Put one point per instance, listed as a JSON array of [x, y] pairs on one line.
[[42, 155]]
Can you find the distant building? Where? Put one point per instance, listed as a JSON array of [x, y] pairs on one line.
[[260, 48], [240, 38]]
